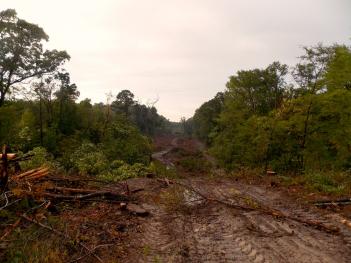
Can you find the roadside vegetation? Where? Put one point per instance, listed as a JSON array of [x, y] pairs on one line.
[[294, 120]]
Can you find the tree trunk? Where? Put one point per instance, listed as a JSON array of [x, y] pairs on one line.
[[41, 122], [305, 131], [2, 98]]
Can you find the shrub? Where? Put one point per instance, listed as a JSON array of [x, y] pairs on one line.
[[123, 141], [332, 183], [120, 170], [89, 159]]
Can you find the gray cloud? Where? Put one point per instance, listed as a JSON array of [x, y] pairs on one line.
[[180, 51]]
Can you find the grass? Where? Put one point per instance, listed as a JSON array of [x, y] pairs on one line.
[[336, 183], [164, 171], [33, 244], [174, 200], [332, 182], [194, 164]]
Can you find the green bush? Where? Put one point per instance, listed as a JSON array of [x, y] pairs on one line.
[[123, 141], [120, 170], [89, 159], [331, 182]]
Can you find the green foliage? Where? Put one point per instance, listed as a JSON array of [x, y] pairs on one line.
[[123, 141], [52, 119], [40, 158], [267, 123], [122, 171], [22, 55], [331, 182], [338, 75], [195, 163], [34, 244], [145, 117], [89, 159], [161, 170], [206, 117]]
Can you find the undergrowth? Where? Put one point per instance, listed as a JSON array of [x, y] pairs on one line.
[[162, 170], [173, 199], [334, 183]]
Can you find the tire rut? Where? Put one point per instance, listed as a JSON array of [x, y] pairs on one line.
[[211, 232]]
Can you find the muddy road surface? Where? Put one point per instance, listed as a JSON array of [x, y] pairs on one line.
[[200, 220]]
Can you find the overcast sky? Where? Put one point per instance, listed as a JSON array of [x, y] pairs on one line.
[[180, 51]]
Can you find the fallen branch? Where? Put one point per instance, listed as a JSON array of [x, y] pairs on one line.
[[192, 189], [104, 194], [262, 209], [8, 232]]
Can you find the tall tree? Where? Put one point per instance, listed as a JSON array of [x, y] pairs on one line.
[[22, 55], [124, 101], [66, 96], [309, 74]]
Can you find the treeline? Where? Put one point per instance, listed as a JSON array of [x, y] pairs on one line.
[[39, 108], [289, 119]]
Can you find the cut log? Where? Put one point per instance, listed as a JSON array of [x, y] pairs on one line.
[[31, 172]]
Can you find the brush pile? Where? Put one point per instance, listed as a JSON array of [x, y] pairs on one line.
[[39, 184], [35, 197]]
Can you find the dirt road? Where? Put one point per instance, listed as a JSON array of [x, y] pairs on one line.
[[184, 227]]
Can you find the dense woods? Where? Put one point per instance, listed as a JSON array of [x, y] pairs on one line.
[[291, 119]]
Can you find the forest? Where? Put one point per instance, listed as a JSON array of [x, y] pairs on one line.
[[39, 112], [290, 118]]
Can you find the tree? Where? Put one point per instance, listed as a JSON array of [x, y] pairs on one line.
[[66, 96], [309, 74], [124, 101], [205, 119], [258, 91], [338, 75], [22, 55]]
